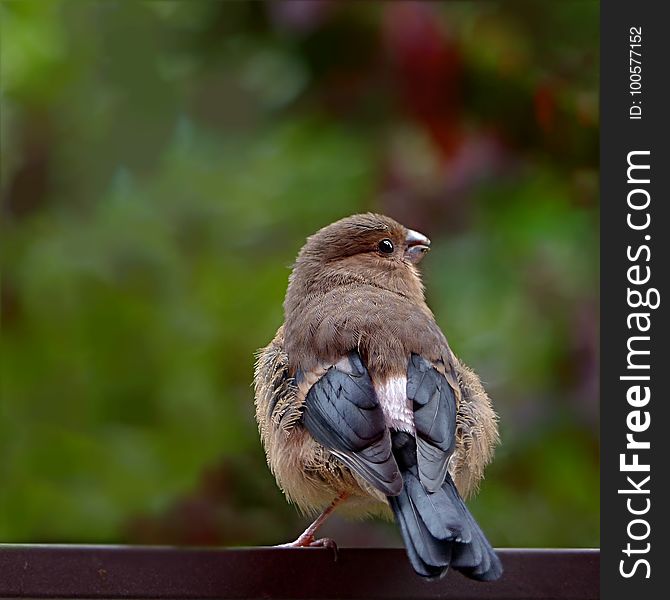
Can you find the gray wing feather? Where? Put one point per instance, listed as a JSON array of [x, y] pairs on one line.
[[342, 413], [434, 418]]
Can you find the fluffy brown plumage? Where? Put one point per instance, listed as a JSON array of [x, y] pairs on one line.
[[358, 350]]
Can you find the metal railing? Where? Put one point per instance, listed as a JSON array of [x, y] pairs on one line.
[[193, 573]]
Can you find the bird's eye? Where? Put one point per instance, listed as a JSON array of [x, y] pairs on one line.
[[386, 246]]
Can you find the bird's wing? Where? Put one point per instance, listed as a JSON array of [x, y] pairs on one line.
[[436, 526], [342, 413], [434, 400]]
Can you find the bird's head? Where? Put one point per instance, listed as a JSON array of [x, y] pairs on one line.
[[365, 248]]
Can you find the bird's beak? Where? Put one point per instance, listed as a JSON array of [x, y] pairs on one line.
[[417, 245]]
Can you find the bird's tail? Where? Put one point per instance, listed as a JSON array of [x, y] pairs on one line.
[[437, 527]]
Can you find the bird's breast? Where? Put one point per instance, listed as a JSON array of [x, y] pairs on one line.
[[392, 395]]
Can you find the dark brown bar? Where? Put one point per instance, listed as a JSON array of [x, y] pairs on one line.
[[162, 572]]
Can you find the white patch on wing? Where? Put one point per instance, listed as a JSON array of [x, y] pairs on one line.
[[392, 395]]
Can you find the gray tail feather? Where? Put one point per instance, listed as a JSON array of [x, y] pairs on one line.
[[437, 527]]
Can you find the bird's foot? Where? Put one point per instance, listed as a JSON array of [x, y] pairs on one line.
[[324, 543], [308, 541]]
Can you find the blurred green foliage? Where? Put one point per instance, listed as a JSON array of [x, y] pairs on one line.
[[162, 163]]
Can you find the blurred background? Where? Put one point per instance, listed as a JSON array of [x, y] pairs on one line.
[[163, 162]]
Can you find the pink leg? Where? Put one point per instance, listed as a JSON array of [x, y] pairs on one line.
[[306, 538]]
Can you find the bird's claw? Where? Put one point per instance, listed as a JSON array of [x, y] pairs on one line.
[[323, 543], [326, 543], [308, 541]]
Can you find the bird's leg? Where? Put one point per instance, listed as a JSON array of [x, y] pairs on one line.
[[306, 538]]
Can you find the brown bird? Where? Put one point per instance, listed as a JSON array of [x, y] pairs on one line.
[[362, 405]]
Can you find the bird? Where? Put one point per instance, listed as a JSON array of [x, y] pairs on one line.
[[362, 406]]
